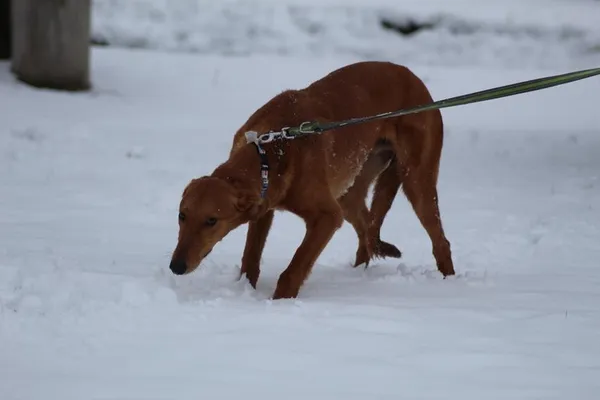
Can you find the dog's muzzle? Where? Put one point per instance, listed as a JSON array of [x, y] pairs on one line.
[[178, 267]]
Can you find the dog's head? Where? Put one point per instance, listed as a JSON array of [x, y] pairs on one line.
[[210, 208]]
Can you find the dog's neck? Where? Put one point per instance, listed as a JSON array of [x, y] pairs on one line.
[[242, 169]]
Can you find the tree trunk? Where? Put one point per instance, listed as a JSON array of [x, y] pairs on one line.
[[50, 46], [4, 29]]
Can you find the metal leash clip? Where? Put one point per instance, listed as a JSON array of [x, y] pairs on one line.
[[285, 133], [307, 128], [267, 137], [253, 137]]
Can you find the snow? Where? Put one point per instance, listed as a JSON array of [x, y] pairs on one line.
[[511, 33], [90, 184]]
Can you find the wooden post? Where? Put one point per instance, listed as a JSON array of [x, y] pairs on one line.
[[51, 43], [4, 29]]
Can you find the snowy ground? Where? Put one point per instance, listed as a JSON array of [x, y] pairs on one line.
[[511, 33], [89, 188]]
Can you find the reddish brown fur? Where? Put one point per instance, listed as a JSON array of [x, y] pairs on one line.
[[324, 178]]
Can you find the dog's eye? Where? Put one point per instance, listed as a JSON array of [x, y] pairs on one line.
[[181, 217], [210, 221]]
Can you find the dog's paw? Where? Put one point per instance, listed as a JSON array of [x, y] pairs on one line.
[[249, 275], [363, 256]]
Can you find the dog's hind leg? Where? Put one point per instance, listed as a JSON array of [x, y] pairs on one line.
[[255, 243], [357, 214], [384, 193], [420, 189], [420, 186], [354, 206]]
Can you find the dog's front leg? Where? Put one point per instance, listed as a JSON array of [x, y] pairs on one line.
[[255, 243], [320, 227]]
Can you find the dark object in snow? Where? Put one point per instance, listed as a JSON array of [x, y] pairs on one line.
[[406, 27], [5, 29], [51, 43], [99, 40]]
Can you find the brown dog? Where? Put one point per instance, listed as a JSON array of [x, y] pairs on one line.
[[324, 179]]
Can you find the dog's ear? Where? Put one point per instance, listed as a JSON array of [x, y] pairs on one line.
[[249, 204]]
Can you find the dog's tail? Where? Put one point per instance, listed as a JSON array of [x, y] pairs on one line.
[[384, 249]]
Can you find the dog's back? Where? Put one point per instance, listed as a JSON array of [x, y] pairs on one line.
[[357, 90]]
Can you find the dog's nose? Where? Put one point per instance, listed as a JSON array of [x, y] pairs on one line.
[[178, 267]]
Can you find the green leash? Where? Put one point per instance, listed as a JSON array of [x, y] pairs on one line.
[[308, 128]]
